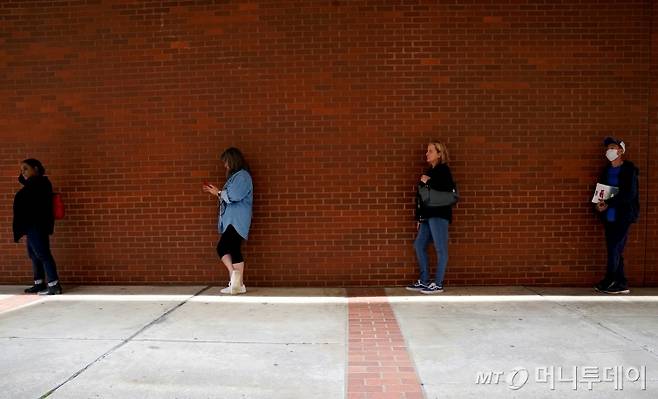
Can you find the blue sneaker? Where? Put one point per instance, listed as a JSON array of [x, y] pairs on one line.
[[432, 289], [417, 286]]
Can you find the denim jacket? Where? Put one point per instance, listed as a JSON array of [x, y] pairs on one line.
[[235, 203]]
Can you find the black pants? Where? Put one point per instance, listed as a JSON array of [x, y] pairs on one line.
[[229, 244], [616, 235]]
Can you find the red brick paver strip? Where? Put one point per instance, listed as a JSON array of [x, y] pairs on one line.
[[17, 301], [379, 366]]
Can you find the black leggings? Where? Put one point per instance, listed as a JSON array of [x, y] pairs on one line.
[[229, 244]]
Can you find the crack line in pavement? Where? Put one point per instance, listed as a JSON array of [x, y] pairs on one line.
[[204, 341], [60, 339], [122, 343], [170, 340], [600, 324]]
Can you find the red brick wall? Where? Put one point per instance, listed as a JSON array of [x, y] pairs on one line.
[[129, 105], [651, 176]]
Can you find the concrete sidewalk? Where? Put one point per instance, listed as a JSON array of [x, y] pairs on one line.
[[192, 342]]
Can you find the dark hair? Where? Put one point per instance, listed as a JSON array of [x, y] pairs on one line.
[[235, 160], [36, 164]]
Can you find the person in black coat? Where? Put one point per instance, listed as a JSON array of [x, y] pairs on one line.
[[33, 218], [617, 213], [432, 223]]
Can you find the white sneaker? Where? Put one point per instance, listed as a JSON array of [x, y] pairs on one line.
[[227, 290]]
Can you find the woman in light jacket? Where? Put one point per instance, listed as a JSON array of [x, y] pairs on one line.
[[235, 210], [432, 223]]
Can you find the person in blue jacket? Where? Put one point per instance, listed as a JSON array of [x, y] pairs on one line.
[[34, 219], [235, 211], [617, 213]]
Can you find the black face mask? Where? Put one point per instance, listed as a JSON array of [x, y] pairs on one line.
[[21, 179]]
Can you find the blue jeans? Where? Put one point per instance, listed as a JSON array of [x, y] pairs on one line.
[[435, 230], [43, 263]]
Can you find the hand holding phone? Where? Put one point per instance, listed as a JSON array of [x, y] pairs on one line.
[[209, 188]]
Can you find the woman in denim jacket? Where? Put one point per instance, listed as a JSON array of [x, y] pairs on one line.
[[235, 210]]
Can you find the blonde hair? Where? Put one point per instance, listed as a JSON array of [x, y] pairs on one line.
[[442, 149]]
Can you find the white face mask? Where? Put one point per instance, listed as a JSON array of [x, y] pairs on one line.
[[612, 154]]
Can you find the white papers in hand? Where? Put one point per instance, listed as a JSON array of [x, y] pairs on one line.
[[604, 192]]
